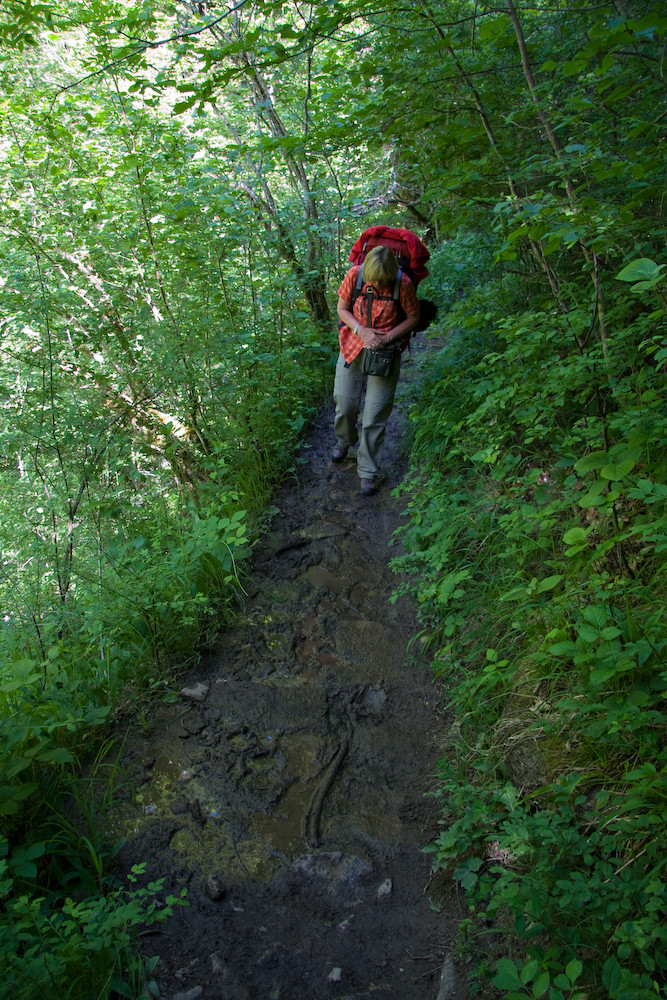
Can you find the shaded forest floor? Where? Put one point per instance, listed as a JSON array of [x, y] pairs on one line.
[[287, 788]]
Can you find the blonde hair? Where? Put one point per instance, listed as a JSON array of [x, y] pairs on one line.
[[380, 267]]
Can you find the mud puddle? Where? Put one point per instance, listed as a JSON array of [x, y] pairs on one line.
[[287, 789]]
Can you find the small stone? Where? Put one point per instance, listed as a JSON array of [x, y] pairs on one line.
[[385, 890], [374, 701], [335, 975], [192, 994], [197, 692], [214, 888]]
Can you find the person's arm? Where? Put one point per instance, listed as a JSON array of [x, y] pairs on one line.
[[403, 328], [369, 336], [411, 309]]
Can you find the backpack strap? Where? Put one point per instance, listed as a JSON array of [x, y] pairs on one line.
[[400, 311], [370, 295]]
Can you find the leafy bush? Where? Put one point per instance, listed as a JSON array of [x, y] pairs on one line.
[[79, 948], [535, 548]]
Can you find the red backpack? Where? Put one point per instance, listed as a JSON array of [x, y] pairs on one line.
[[411, 255], [403, 243]]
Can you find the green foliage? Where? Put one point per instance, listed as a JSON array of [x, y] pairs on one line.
[[81, 948], [535, 548], [36, 727], [67, 924], [534, 980], [178, 186], [162, 352]]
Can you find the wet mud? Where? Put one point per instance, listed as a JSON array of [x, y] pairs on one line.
[[288, 786]]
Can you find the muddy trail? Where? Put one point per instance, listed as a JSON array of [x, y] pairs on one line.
[[287, 787]]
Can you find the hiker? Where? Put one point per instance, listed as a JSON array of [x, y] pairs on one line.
[[377, 314]]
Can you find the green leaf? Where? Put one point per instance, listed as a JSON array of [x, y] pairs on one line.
[[10, 686], [541, 985], [595, 460], [563, 649], [595, 615], [575, 536], [11, 795], [507, 977], [574, 970], [616, 471], [122, 988], [591, 499], [529, 971], [643, 269], [465, 873]]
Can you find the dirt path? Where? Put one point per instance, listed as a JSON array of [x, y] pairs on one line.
[[291, 798]]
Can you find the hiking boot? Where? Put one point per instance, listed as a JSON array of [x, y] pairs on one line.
[[368, 487], [339, 452]]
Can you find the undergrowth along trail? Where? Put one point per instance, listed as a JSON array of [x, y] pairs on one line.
[[535, 549]]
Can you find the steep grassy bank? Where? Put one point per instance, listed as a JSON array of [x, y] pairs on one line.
[[536, 546]]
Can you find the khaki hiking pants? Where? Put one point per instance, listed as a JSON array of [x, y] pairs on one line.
[[348, 389]]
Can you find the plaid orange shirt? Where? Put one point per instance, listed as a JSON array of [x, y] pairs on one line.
[[384, 312]]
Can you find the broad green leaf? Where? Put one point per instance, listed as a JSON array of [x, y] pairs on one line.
[[563, 649], [22, 668], [10, 686], [643, 269], [588, 633], [588, 463], [617, 471], [55, 755], [595, 615], [572, 551], [121, 988], [14, 766], [507, 977], [590, 500], [541, 985], [575, 536], [529, 971]]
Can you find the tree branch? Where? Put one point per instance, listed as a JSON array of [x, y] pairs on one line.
[[144, 46]]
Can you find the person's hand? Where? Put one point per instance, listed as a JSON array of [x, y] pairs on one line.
[[371, 337]]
